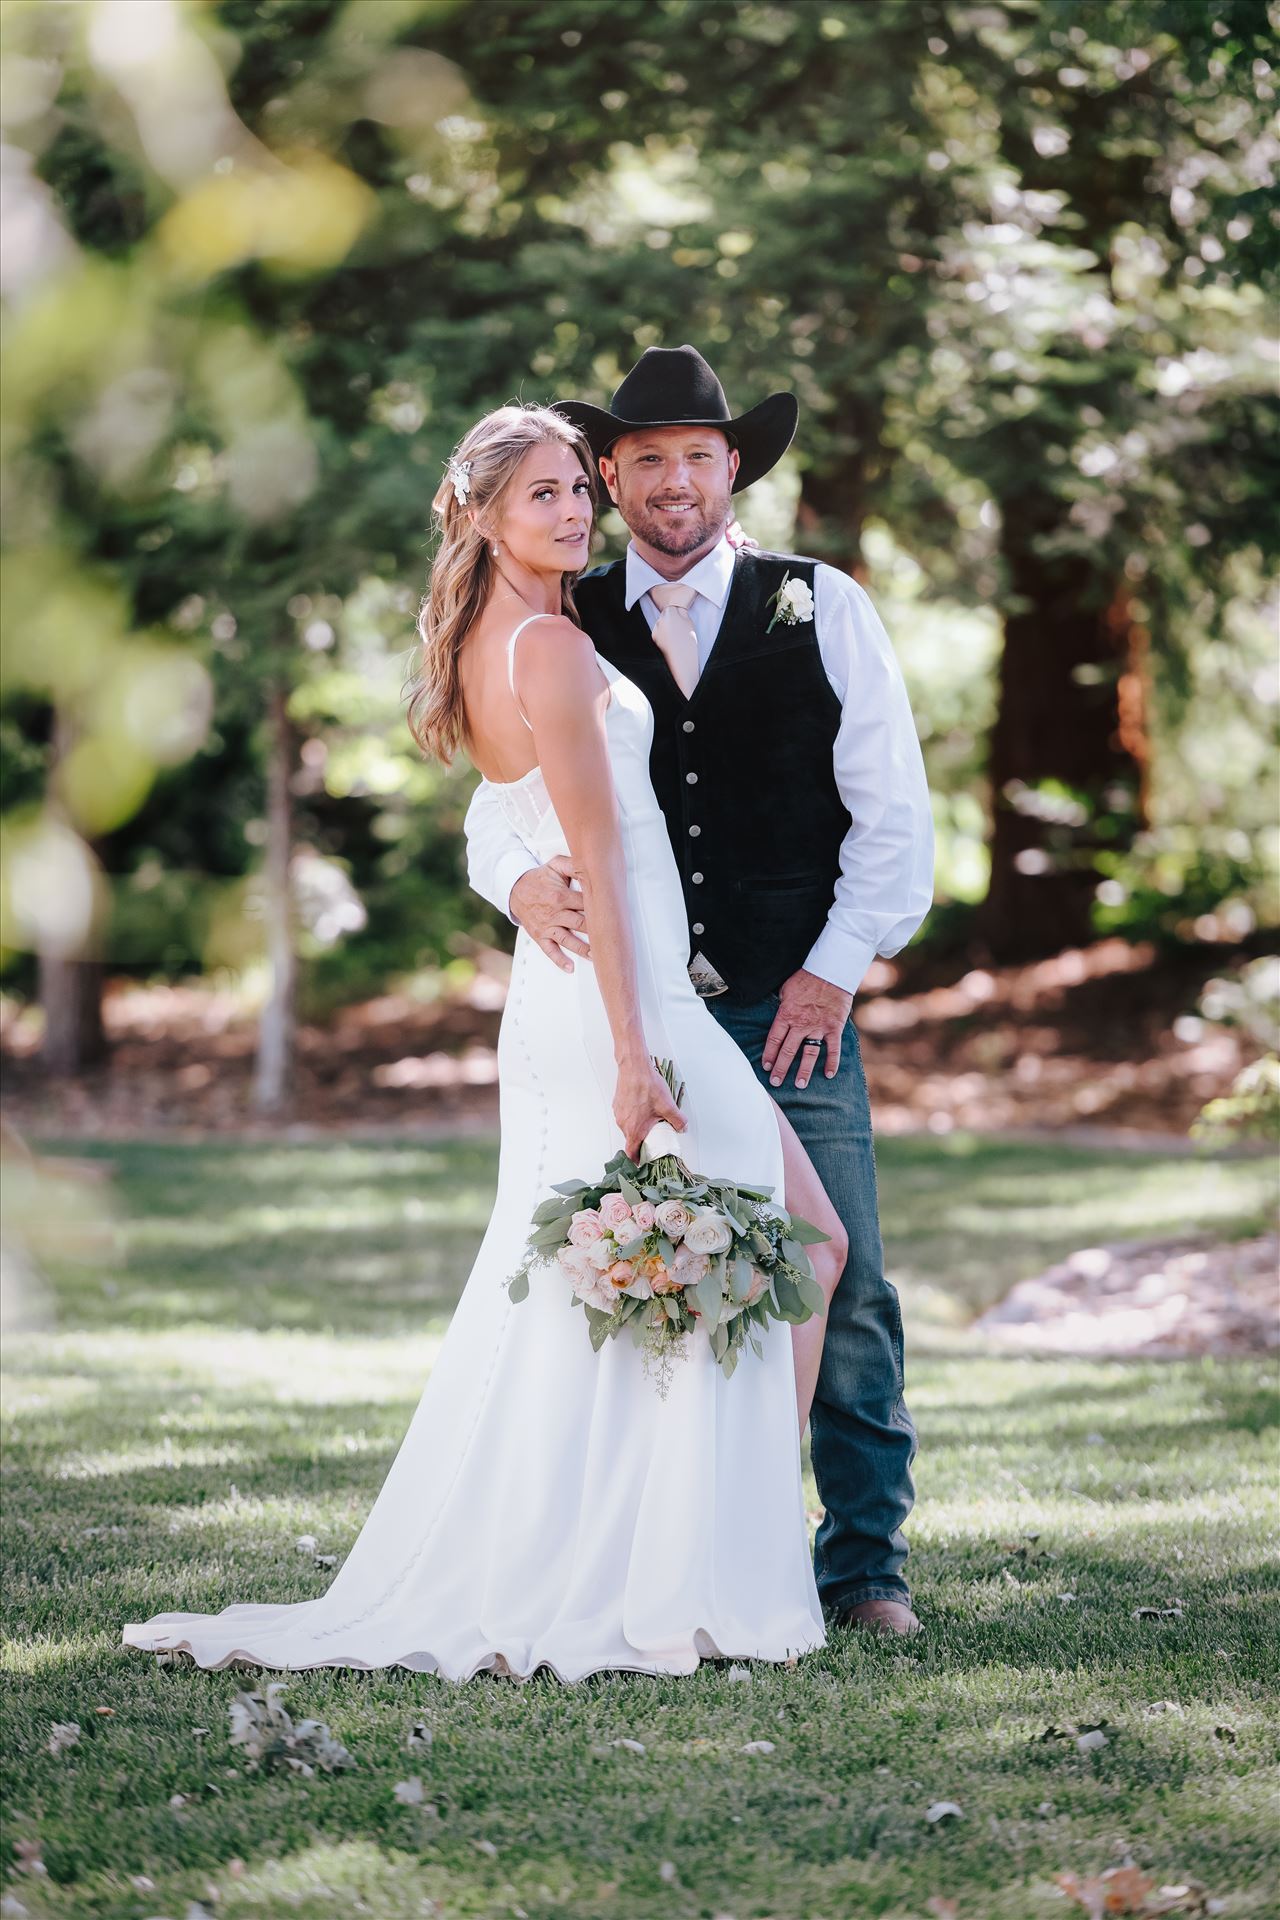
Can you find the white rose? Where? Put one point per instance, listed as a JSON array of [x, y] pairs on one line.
[[798, 598], [596, 1289], [603, 1253], [674, 1218], [708, 1233]]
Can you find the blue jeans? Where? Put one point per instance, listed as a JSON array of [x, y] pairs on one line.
[[862, 1438]]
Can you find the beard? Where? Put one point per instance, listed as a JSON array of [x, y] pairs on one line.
[[685, 533]]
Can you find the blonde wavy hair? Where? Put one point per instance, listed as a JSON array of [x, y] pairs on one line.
[[463, 571]]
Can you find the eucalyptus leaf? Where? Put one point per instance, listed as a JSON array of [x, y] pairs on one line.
[[707, 1298], [519, 1288], [740, 1272], [570, 1188], [552, 1210], [806, 1233], [811, 1294], [791, 1306]]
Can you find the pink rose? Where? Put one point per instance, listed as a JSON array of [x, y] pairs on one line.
[[690, 1267], [673, 1217], [643, 1215], [622, 1273], [585, 1227], [759, 1281], [614, 1210]]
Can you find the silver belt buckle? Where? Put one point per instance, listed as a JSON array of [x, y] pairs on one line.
[[706, 981]]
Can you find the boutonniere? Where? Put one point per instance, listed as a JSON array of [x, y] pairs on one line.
[[792, 603]]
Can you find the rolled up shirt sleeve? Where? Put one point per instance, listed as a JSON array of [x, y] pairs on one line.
[[496, 855], [885, 885]]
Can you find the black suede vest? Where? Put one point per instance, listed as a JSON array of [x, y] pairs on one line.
[[743, 770]]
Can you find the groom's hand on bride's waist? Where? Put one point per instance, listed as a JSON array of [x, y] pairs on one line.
[[809, 1009], [549, 908]]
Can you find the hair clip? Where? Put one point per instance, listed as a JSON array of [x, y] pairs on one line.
[[460, 474]]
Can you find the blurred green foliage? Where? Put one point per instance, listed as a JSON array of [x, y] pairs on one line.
[[272, 256]]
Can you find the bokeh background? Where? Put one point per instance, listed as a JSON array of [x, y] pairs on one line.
[[264, 262]]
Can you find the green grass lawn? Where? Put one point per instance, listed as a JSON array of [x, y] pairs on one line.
[[243, 1374]]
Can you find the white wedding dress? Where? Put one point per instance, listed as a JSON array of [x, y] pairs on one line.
[[546, 1506]]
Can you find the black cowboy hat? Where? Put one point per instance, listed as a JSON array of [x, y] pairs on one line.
[[674, 387]]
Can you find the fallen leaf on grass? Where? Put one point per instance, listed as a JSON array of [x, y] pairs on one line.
[[487, 1848], [1164, 1706], [632, 1746], [1090, 1742], [1128, 1890], [757, 1746], [1225, 1733], [1157, 1613], [420, 1735], [737, 1673], [305, 1543], [326, 1559], [12, 1908], [108, 1713], [944, 1909], [943, 1810], [177, 1800], [63, 1734], [409, 1793], [142, 1882], [667, 1871], [270, 1737]]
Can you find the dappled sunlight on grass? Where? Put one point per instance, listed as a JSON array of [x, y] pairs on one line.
[[158, 1459]]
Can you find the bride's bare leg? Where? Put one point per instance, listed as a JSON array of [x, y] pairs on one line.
[[804, 1193]]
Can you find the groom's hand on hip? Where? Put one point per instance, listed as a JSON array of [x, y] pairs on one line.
[[809, 1009], [549, 909]]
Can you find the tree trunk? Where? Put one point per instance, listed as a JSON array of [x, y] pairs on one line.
[[71, 998], [1069, 752], [276, 1029], [829, 518], [69, 980]]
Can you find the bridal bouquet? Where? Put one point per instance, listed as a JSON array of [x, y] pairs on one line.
[[655, 1251]]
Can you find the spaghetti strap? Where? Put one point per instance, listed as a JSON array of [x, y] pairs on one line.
[[511, 659]]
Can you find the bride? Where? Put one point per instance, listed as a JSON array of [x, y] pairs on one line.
[[547, 1507]]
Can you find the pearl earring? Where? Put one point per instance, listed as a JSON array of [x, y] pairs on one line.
[[495, 549]]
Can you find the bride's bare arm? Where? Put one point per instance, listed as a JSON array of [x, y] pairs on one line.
[[566, 696]]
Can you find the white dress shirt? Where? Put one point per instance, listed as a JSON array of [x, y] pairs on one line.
[[885, 883]]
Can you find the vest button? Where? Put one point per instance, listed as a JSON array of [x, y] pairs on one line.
[[687, 727], [692, 779], [694, 832], [698, 927], [696, 879]]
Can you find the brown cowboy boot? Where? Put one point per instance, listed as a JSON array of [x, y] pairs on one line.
[[879, 1616]]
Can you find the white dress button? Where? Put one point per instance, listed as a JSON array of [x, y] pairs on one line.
[[688, 726], [692, 779], [696, 879], [694, 832], [698, 927]]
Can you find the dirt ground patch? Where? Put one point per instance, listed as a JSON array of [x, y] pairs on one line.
[[1105, 1035]]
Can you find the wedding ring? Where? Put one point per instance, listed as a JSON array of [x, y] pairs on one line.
[[813, 1041]]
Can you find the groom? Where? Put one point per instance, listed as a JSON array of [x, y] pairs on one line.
[[786, 763]]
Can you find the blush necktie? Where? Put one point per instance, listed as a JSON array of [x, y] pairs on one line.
[[675, 634]]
